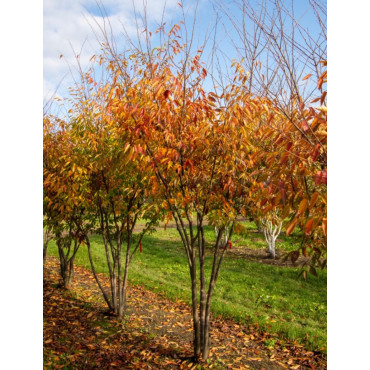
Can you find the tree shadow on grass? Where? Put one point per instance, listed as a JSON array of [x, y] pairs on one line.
[[79, 334]]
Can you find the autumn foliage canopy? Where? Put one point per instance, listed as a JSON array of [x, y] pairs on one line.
[[150, 142]]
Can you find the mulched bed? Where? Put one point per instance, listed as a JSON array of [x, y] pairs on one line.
[[79, 333]]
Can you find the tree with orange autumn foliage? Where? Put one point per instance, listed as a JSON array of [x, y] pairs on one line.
[[291, 170], [151, 138], [63, 200], [116, 191], [191, 144]]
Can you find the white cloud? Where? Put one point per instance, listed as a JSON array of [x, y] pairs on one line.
[[67, 28]]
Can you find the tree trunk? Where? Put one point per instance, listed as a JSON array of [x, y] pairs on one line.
[[204, 321], [202, 308], [271, 233], [66, 272], [207, 315], [67, 278], [272, 251], [115, 289], [47, 238], [66, 264], [62, 263], [44, 253], [260, 227], [194, 298], [201, 313], [205, 344], [105, 295], [122, 309]]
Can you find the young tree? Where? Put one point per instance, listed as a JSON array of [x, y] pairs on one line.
[[191, 143], [118, 176], [272, 225], [291, 172], [283, 62], [47, 211], [63, 204]]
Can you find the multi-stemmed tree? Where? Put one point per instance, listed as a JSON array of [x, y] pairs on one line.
[[152, 138], [291, 169], [116, 191], [191, 145], [64, 208]]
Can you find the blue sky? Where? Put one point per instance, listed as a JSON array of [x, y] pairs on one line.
[[69, 30]]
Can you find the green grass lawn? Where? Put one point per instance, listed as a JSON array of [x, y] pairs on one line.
[[249, 292]]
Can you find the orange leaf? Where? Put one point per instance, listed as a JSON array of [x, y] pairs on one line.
[[324, 225], [316, 152], [323, 97], [166, 94], [302, 206], [308, 227], [291, 227], [307, 77], [314, 199], [320, 82]]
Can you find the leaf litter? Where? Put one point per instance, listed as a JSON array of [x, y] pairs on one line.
[[79, 332]]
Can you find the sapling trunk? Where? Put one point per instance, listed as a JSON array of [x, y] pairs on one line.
[[272, 251], [113, 243], [194, 299], [203, 296], [66, 260], [45, 248], [271, 233], [201, 313], [47, 238], [105, 295], [123, 293]]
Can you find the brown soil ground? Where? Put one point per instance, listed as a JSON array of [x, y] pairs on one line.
[[261, 255], [80, 334]]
